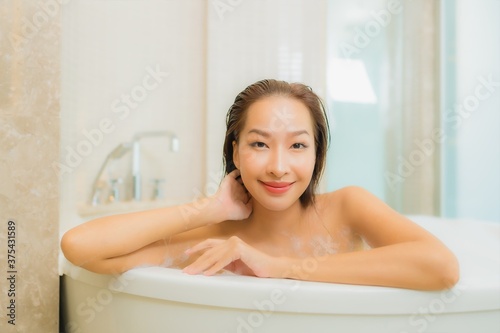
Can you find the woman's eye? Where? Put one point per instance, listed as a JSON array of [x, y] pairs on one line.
[[298, 146], [258, 144]]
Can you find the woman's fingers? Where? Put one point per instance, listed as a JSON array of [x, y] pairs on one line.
[[218, 254], [213, 265], [233, 197], [206, 259], [209, 263], [233, 252], [205, 244], [235, 173]]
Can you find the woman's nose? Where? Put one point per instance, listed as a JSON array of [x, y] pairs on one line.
[[278, 163]]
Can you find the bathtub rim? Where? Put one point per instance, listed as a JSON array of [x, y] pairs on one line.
[[477, 291], [300, 296]]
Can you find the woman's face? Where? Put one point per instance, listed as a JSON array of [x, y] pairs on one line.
[[276, 151]]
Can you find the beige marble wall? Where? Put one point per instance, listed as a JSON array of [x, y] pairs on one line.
[[29, 144]]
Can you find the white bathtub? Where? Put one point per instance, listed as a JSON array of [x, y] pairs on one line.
[[155, 299]]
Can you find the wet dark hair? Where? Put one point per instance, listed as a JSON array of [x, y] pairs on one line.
[[236, 115]]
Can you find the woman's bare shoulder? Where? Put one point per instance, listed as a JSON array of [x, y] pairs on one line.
[[346, 204], [341, 197], [331, 207]]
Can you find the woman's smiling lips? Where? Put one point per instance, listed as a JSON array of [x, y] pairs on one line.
[[277, 187]]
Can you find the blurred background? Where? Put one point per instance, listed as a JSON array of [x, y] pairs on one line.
[[93, 92], [411, 88]]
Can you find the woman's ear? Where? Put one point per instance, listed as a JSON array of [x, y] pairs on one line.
[[236, 155]]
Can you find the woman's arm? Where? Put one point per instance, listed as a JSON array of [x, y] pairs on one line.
[[114, 244], [403, 254]]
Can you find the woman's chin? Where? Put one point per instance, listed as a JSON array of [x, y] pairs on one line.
[[276, 204]]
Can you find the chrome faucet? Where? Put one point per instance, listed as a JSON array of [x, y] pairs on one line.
[[136, 157], [99, 185]]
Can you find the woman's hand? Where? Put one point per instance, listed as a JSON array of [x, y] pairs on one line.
[[234, 200], [232, 254]]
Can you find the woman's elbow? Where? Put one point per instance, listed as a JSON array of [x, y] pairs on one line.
[[446, 271], [78, 250], [72, 248], [451, 274]]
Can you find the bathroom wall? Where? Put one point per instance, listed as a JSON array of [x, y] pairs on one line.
[[29, 144], [253, 40], [358, 112], [211, 50], [197, 54], [477, 108], [130, 67]]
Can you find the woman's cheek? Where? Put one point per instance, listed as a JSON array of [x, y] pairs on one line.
[[248, 164], [305, 162], [306, 168], [251, 158]]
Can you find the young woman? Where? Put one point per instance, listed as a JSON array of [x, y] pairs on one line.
[[266, 220]]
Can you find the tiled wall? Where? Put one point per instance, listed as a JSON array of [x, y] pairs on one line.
[[29, 187]]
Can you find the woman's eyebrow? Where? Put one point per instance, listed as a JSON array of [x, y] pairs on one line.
[[299, 132], [267, 134], [260, 132]]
